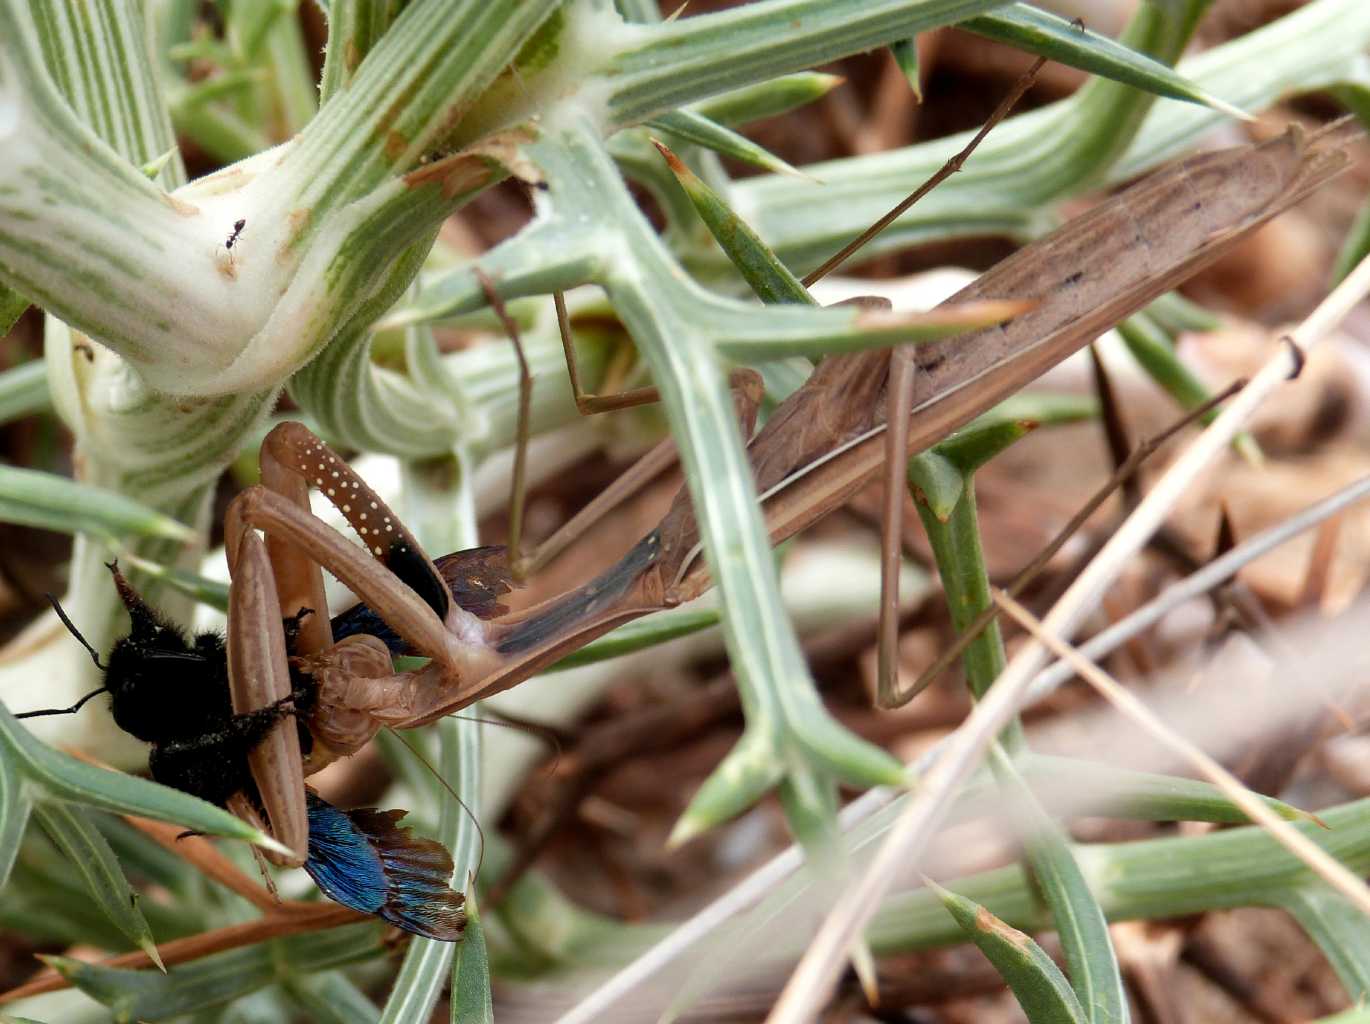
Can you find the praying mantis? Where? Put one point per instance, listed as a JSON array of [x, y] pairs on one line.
[[285, 659]]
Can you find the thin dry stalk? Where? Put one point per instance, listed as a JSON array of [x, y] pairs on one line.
[[298, 918], [1313, 591], [202, 855], [953, 165], [1210, 576], [1033, 569], [1327, 867]]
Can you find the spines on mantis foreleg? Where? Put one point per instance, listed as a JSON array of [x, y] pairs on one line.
[[293, 446]]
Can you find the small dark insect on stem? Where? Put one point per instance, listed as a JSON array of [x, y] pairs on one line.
[[238, 226]]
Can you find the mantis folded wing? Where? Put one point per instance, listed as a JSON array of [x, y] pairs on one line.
[[819, 447], [824, 443]]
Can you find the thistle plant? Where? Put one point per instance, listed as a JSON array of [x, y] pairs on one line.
[[178, 312]]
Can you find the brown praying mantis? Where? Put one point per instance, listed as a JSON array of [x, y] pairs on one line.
[[285, 657], [819, 447]]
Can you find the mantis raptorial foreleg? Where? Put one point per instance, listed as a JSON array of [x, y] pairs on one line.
[[391, 596], [353, 684], [259, 677]]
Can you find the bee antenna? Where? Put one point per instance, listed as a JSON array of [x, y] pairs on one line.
[[71, 628], [63, 711], [480, 859]]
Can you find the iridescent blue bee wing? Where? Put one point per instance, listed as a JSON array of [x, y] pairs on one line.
[[364, 860]]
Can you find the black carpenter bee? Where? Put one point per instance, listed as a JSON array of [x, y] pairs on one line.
[[173, 692]]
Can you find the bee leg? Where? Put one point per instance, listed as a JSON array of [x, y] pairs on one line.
[[245, 808], [213, 766]]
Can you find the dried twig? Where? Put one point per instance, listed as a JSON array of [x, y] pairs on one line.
[[313, 917]]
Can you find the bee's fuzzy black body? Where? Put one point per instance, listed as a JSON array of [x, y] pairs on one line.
[[173, 693]]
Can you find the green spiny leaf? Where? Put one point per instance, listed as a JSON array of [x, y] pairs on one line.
[[78, 838], [1176, 314], [751, 768], [1037, 983], [59, 777], [768, 277], [1338, 928], [15, 806], [971, 448], [767, 99], [24, 391], [330, 998], [215, 980], [696, 128], [1094, 972], [1109, 791], [1049, 35], [1154, 350], [50, 502], [12, 306], [845, 755], [936, 482], [470, 999], [905, 53]]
